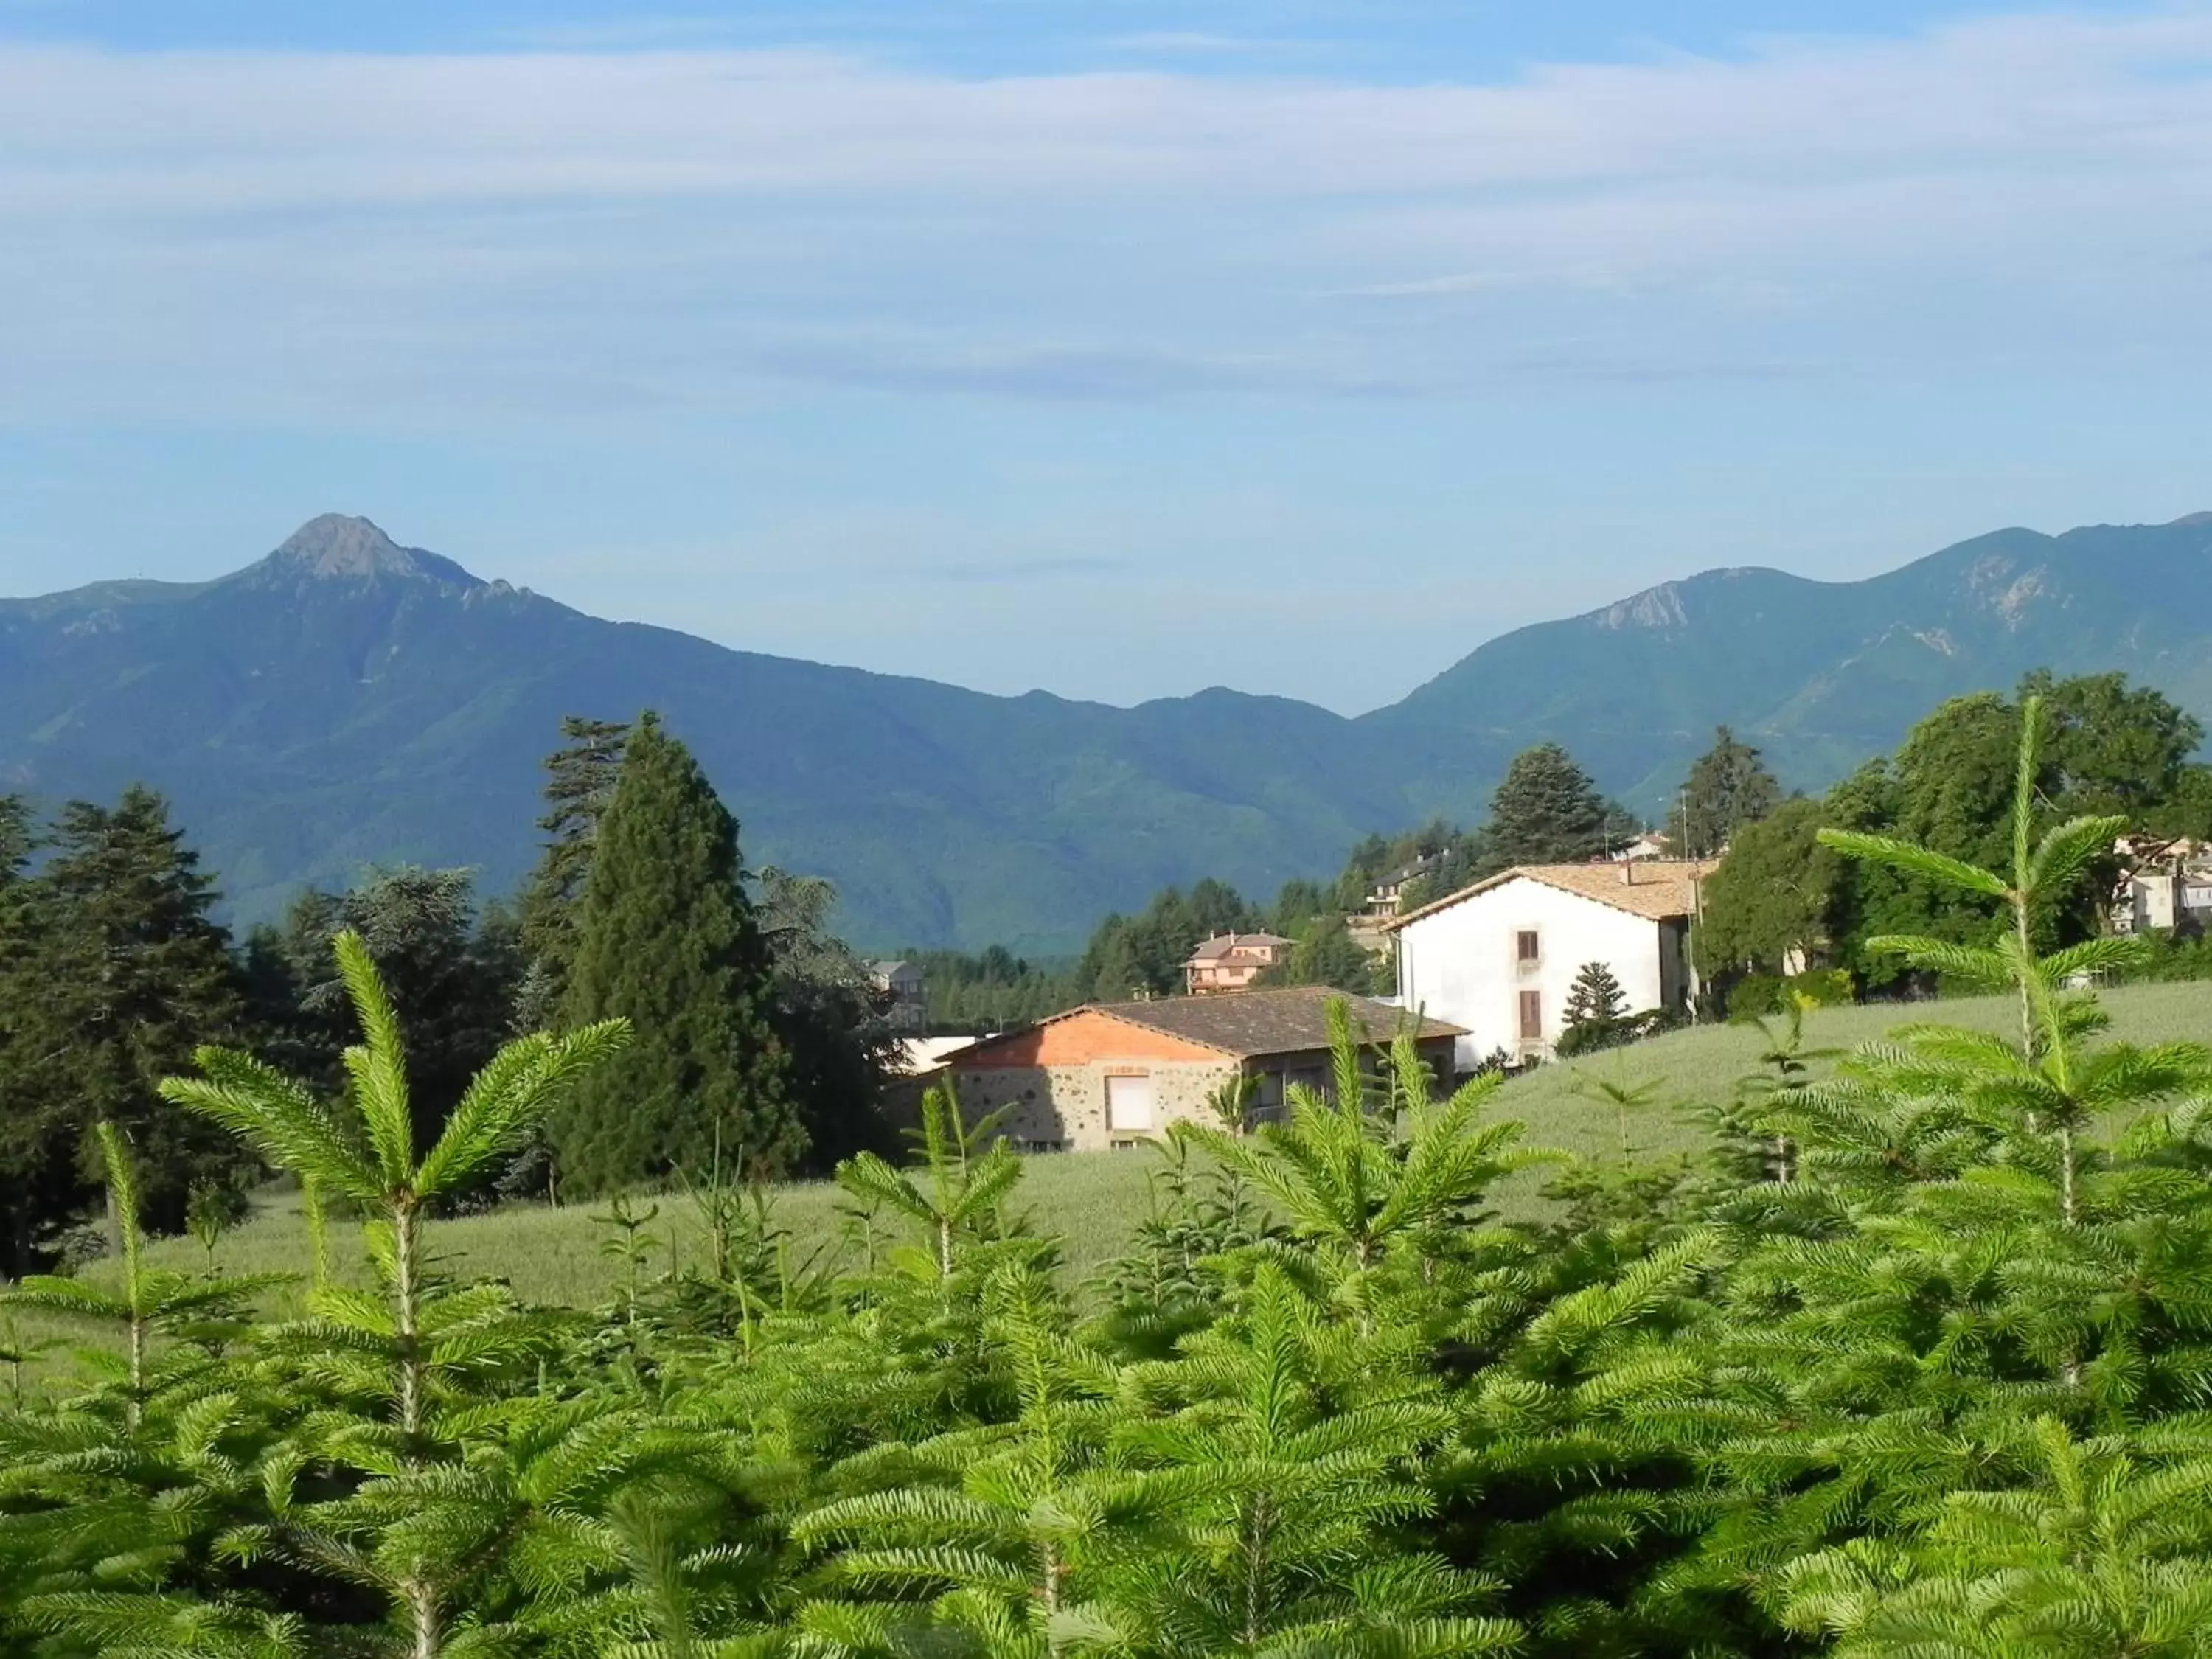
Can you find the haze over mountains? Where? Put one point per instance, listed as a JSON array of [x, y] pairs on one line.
[[346, 701]]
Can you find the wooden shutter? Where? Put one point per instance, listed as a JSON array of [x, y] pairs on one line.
[[1532, 1016], [1530, 946]]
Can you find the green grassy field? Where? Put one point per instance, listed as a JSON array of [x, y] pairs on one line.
[[1091, 1200]]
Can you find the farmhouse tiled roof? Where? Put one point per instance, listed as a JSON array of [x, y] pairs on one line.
[[1252, 1023], [1658, 889]]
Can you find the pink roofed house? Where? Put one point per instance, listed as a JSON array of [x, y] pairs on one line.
[[1231, 962]]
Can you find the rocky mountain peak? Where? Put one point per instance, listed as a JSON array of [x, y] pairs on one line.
[[339, 547], [1656, 607]]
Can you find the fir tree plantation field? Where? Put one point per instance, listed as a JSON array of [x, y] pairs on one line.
[[1093, 1201], [1912, 1366]]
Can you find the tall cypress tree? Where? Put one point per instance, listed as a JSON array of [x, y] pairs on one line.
[[667, 939]]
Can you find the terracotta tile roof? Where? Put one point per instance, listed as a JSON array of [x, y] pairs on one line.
[[1221, 944], [1658, 889], [1250, 1023]]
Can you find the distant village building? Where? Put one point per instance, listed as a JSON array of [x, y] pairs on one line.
[[1231, 962], [909, 994], [2171, 889], [1646, 846], [1117, 1073], [1387, 896], [1499, 957]]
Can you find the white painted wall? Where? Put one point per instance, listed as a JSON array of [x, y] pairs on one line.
[[1459, 965]]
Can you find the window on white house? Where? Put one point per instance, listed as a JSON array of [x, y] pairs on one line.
[[1532, 1016], [1528, 947]]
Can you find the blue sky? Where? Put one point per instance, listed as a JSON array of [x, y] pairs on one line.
[[1121, 349]]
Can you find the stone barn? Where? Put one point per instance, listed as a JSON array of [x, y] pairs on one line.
[[1113, 1073]]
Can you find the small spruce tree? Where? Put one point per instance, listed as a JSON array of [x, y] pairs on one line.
[[1597, 1006], [667, 940]]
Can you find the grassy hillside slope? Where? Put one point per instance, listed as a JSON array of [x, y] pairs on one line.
[[1092, 1201]]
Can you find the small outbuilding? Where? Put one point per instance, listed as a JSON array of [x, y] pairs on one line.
[[1114, 1073]]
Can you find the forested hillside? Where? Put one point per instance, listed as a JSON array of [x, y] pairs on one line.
[[347, 701]]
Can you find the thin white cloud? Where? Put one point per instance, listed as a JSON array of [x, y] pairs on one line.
[[215, 130], [1188, 43], [659, 230]]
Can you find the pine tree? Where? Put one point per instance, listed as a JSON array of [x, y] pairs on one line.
[[1290, 1464], [1728, 787], [1379, 1184], [1595, 998], [1547, 810], [970, 1169], [830, 1018], [452, 978], [444, 1484], [579, 786], [1960, 1245], [112, 1505], [1008, 1529], [1596, 1012], [19, 838], [127, 972], [667, 940], [36, 1165], [2106, 1547]]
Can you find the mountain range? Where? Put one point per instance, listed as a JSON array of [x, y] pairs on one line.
[[347, 701]]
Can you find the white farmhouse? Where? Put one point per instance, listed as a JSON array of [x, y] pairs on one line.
[[1499, 957]]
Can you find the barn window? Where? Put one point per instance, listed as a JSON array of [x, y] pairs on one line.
[[1128, 1103]]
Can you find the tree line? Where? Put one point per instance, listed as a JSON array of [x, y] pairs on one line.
[[1911, 1363], [766, 1042], [1783, 898], [1780, 902], [1545, 809]]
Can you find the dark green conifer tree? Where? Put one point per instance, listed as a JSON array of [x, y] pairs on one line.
[[1728, 787], [1597, 1006], [34, 1170], [830, 1017], [580, 783], [127, 972], [667, 939], [1547, 810]]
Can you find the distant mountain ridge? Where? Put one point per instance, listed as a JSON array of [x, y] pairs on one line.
[[347, 701]]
